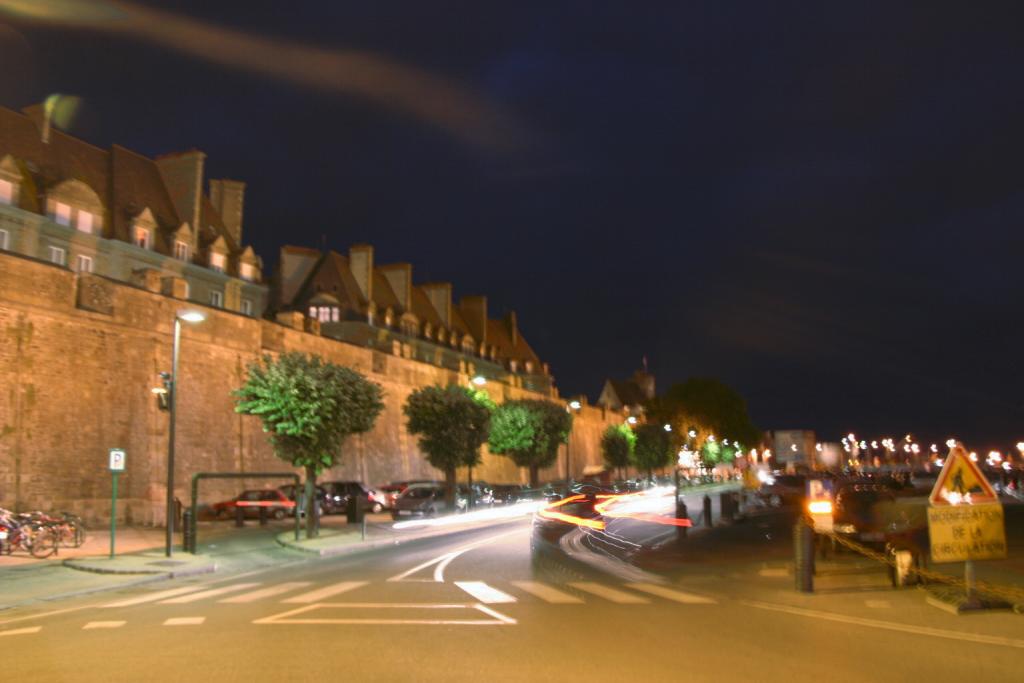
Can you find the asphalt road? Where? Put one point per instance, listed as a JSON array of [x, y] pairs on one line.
[[475, 606]]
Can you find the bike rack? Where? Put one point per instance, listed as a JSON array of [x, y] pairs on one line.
[[194, 507]]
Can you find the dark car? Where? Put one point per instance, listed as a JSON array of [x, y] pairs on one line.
[[340, 493], [425, 500], [509, 494], [858, 512], [295, 494], [784, 489], [277, 504]]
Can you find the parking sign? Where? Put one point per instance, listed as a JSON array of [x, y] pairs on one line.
[[117, 459]]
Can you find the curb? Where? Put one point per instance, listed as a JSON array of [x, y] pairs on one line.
[[364, 546], [168, 573], [85, 591]]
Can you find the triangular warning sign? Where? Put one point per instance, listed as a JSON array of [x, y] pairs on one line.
[[961, 482]]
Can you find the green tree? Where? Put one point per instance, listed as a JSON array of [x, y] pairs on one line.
[[709, 403], [530, 432], [451, 423], [653, 448], [308, 406], [617, 445]]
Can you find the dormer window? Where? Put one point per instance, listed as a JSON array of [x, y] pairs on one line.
[[142, 237], [61, 213], [6, 191], [181, 250], [247, 271], [217, 261], [84, 222]]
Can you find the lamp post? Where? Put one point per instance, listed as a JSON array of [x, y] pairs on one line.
[[573, 407], [189, 316]]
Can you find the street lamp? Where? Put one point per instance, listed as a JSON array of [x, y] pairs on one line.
[[572, 407], [479, 380], [189, 316]]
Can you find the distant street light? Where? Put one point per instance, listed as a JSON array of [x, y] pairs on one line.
[[631, 420], [668, 428], [189, 316], [479, 380], [573, 406]]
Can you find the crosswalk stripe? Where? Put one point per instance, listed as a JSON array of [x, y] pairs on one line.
[[670, 594], [547, 593], [102, 624], [152, 597], [185, 621], [484, 593], [607, 593], [21, 631], [193, 597], [326, 592], [270, 591]]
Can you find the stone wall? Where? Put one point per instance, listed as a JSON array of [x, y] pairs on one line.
[[79, 355]]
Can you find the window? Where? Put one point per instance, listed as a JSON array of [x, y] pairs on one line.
[[247, 272], [312, 311], [6, 192], [216, 298], [84, 264], [326, 314], [181, 250], [58, 256], [188, 290], [142, 237], [61, 213], [217, 261], [84, 222], [246, 306], [334, 314], [4, 239]]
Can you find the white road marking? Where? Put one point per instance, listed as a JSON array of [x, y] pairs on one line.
[[268, 592], [103, 624], [878, 604], [607, 593], [889, 625], [670, 594], [444, 560], [21, 631], [326, 592], [484, 593], [193, 597], [185, 621], [774, 572], [45, 614], [152, 597], [547, 593], [288, 617]]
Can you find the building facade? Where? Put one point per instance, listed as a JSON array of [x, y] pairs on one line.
[[350, 298], [121, 215]]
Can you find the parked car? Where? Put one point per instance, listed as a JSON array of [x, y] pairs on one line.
[[339, 493], [857, 513], [510, 494], [784, 489], [483, 496], [278, 505], [295, 493], [425, 500]]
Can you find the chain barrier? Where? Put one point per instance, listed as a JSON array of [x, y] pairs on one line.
[[1007, 593]]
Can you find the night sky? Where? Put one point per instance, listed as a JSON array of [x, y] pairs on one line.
[[819, 203]]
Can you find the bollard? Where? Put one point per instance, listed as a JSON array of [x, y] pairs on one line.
[[352, 510], [188, 539], [239, 516], [364, 528], [803, 556], [263, 515], [725, 506], [707, 510], [681, 513]]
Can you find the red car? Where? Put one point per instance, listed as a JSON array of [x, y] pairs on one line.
[[278, 505]]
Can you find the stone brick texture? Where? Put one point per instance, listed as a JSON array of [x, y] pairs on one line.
[[76, 381]]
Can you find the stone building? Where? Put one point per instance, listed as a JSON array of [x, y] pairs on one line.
[[352, 299], [628, 395], [118, 214]]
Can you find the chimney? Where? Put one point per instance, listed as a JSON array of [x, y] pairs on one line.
[[228, 197], [513, 327], [440, 295], [41, 114], [360, 262], [183, 175], [295, 266], [399, 276], [474, 310]]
